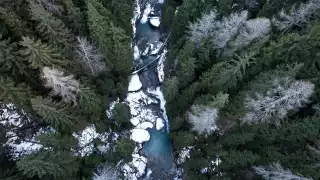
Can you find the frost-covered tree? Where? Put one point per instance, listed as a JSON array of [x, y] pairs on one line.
[[203, 117], [253, 30], [285, 94], [276, 172], [298, 16], [227, 28], [89, 56], [219, 32], [106, 172], [203, 28], [65, 86], [52, 6], [231, 33]]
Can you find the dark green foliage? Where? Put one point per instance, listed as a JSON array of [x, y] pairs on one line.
[[57, 141], [46, 164], [226, 75], [11, 93], [49, 27], [39, 54], [124, 149], [170, 88], [238, 139], [238, 159], [182, 139], [121, 114], [90, 103], [38, 34], [17, 25], [56, 114], [10, 63]]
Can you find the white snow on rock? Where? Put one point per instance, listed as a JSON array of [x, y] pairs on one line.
[[140, 135], [136, 15], [145, 125], [212, 167], [146, 13], [159, 124], [160, 1], [20, 146], [111, 106], [136, 168], [184, 154], [135, 83], [135, 121], [160, 96], [146, 51], [154, 21], [160, 66], [87, 136], [136, 53], [136, 101], [155, 50]]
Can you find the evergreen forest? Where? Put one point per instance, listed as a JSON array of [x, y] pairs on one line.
[[241, 87]]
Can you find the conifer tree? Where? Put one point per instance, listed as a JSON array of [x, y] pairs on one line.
[[170, 88], [57, 141], [16, 24], [90, 57], [65, 86], [39, 54], [48, 164], [203, 117], [106, 172], [275, 172], [225, 75], [297, 16], [89, 102], [284, 95], [112, 40], [10, 63], [240, 159], [12, 93], [56, 114], [49, 27]]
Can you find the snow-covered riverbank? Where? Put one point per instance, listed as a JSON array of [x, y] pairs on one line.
[[145, 97]]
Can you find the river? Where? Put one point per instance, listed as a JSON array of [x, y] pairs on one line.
[[153, 152]]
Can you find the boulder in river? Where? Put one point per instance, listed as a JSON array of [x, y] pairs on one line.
[[154, 21]]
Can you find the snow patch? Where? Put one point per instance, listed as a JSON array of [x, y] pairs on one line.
[[136, 15], [85, 138], [157, 48], [135, 83], [184, 154], [145, 125], [140, 135], [160, 1], [160, 96], [154, 21], [20, 144], [135, 121], [111, 107], [136, 53], [160, 66], [146, 13], [159, 124], [136, 168]]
